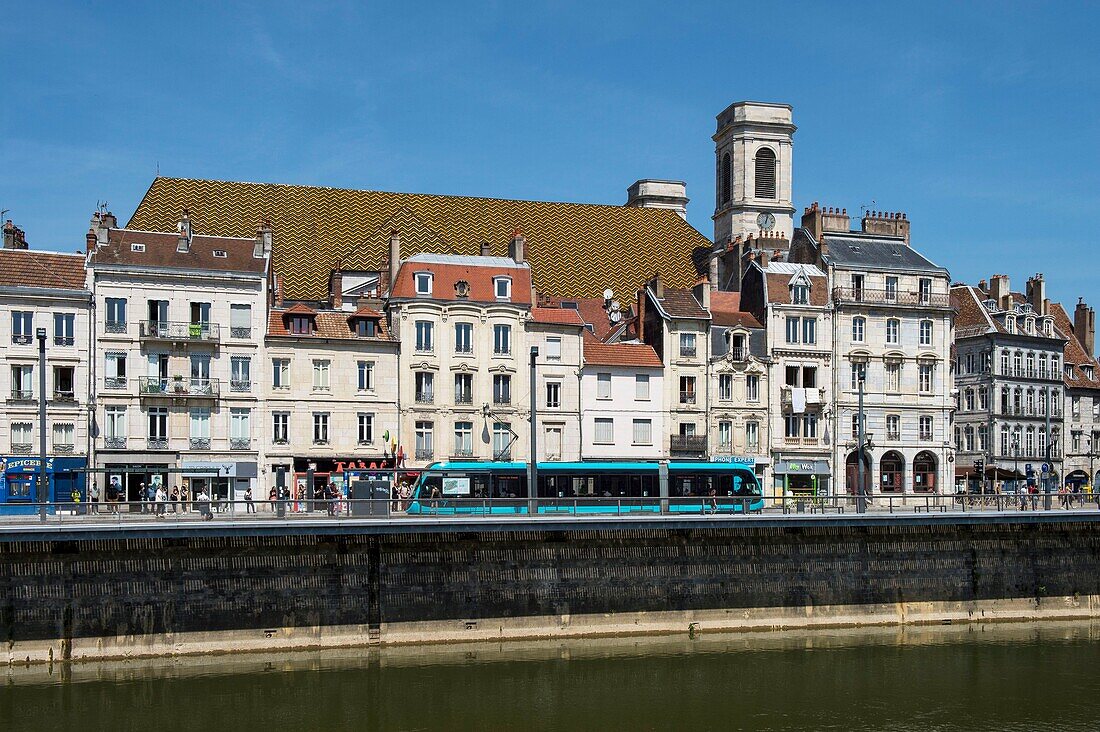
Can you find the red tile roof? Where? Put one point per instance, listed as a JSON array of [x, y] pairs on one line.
[[160, 251], [971, 316], [28, 268], [447, 275], [334, 324], [557, 316], [597, 353], [591, 312], [725, 309], [1075, 354]]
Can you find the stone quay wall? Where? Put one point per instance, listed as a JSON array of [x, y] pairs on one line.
[[98, 596]]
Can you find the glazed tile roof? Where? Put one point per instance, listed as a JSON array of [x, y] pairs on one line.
[[477, 272], [29, 268], [574, 249], [1074, 354], [335, 324], [159, 250], [597, 353], [725, 310]]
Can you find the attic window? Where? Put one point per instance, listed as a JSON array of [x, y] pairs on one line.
[[366, 327], [502, 288], [569, 305], [462, 288], [800, 294], [137, 247], [220, 254], [991, 305], [301, 325], [423, 283]]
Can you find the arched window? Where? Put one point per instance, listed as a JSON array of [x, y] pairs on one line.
[[924, 472], [892, 471], [765, 173], [724, 178]]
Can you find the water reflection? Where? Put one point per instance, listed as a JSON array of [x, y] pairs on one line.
[[1011, 676]]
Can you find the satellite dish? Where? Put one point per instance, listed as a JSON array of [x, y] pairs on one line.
[[616, 306], [608, 294], [615, 316]]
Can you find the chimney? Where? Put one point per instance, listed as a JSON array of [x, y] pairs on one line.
[[277, 290], [1084, 326], [485, 249], [336, 289], [658, 286], [652, 193], [811, 220], [1037, 293], [983, 285], [886, 224], [517, 248], [641, 315], [14, 237], [764, 258], [701, 291], [262, 248], [395, 257], [835, 221], [89, 241], [184, 228], [999, 291], [102, 222]]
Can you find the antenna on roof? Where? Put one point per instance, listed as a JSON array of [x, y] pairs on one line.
[[608, 294], [615, 316]]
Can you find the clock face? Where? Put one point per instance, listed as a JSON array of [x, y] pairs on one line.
[[765, 221]]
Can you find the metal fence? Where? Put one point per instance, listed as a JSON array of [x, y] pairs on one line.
[[582, 508]]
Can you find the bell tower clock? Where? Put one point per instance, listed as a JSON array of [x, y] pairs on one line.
[[752, 149]]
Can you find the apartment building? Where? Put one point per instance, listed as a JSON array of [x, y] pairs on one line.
[[792, 301], [892, 329], [677, 326], [47, 292], [330, 394], [623, 410], [1010, 383], [557, 331], [179, 328], [738, 424], [1081, 436]]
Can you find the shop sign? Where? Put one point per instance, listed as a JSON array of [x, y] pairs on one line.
[[804, 467], [224, 470], [342, 465], [745, 460], [28, 465]]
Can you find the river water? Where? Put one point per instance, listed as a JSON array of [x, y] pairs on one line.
[[980, 677]]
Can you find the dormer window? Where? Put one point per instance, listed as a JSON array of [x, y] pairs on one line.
[[991, 305], [221, 254], [301, 325], [365, 327], [423, 283], [1029, 325], [1010, 324], [800, 294], [1088, 372], [502, 288]]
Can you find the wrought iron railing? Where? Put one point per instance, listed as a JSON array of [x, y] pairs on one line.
[[687, 397], [64, 449], [200, 443], [425, 397], [890, 297], [114, 326], [179, 387], [64, 397], [239, 385], [163, 330], [63, 340], [114, 382], [424, 453], [21, 448], [114, 443], [238, 331], [240, 443], [157, 443], [21, 339], [22, 395], [688, 443]]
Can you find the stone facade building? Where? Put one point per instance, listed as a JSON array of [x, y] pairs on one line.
[[179, 329], [1009, 382], [1081, 436], [47, 291]]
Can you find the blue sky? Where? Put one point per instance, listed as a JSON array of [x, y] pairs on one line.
[[981, 122]]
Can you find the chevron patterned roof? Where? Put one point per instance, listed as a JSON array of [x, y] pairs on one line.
[[575, 250]]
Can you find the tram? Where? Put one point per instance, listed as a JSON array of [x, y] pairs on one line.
[[492, 488]]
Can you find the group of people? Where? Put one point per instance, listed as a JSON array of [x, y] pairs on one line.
[[154, 499], [298, 500]]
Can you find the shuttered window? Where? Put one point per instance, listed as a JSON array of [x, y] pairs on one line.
[[765, 173]]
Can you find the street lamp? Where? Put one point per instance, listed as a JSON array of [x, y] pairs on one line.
[[43, 486], [863, 440], [533, 469], [1016, 460]]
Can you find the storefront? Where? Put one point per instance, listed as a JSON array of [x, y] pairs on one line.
[[309, 475], [125, 482], [220, 480], [19, 476], [802, 477]]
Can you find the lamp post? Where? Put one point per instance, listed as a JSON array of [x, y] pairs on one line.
[[1016, 460], [532, 463], [861, 492], [43, 485]]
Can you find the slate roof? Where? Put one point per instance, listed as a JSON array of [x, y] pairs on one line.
[[160, 251], [680, 303], [52, 270], [575, 249], [333, 324], [876, 254], [597, 353], [1074, 354]]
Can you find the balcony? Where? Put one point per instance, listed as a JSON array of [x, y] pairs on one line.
[[157, 443], [424, 453], [63, 340], [738, 353], [464, 398], [425, 397], [240, 443], [240, 332], [801, 441], [64, 397], [694, 444], [848, 295], [463, 453], [239, 386], [687, 397], [114, 443], [162, 330], [22, 395], [114, 327], [21, 448], [179, 387], [22, 339], [199, 443], [64, 449], [114, 382]]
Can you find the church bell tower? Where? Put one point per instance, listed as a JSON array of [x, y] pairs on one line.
[[752, 154]]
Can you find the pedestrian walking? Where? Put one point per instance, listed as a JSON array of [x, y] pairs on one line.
[[160, 499], [143, 498], [249, 506], [93, 497]]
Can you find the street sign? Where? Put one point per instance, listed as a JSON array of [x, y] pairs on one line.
[[1046, 467]]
